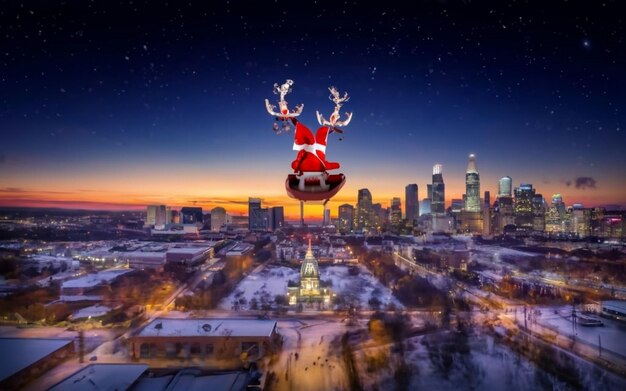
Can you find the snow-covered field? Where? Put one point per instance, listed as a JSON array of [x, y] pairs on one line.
[[272, 281], [93, 311], [445, 362]]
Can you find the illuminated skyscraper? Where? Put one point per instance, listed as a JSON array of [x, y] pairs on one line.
[[524, 206], [472, 186], [151, 215], [396, 211], [411, 203], [505, 187], [276, 217], [218, 218], [438, 204], [257, 216], [364, 210], [346, 218]]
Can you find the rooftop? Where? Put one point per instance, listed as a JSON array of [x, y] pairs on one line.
[[91, 280], [20, 353], [208, 327], [102, 377]]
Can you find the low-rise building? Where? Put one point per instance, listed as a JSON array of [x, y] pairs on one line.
[[206, 341]]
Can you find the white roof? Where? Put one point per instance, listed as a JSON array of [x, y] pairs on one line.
[[208, 327], [19, 353], [102, 377], [91, 280], [616, 305], [188, 250]]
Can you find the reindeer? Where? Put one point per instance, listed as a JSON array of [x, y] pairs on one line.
[[334, 121]]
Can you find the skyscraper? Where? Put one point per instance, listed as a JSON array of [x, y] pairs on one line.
[[257, 217], [218, 218], [364, 210], [276, 217], [151, 212], [505, 186], [438, 204], [539, 213], [396, 211], [326, 217], [191, 215], [472, 186], [411, 203], [487, 200], [346, 218], [524, 206]]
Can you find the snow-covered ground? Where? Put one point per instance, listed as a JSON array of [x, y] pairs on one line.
[[93, 311], [272, 281], [447, 362]]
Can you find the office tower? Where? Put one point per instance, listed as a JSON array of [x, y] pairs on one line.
[[380, 216], [257, 216], [438, 203], [175, 217], [425, 206], [429, 191], [346, 218], [151, 215], [505, 185], [487, 227], [326, 217], [457, 205], [218, 218], [168, 215], [524, 206], [539, 213], [276, 218], [472, 186], [364, 210], [411, 203], [396, 211], [161, 217], [191, 215], [556, 216]]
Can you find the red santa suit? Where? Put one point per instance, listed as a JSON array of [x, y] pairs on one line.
[[311, 150]]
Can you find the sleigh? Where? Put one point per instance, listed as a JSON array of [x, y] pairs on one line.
[[314, 186]]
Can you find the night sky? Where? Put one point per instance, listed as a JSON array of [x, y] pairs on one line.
[[117, 105]]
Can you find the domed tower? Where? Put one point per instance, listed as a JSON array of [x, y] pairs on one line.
[[309, 274]]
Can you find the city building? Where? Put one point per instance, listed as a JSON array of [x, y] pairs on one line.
[[191, 215], [218, 218], [204, 340], [457, 205], [396, 211], [411, 203], [309, 289], [151, 213], [555, 217], [505, 187], [257, 216], [425, 207], [27, 358], [472, 186], [346, 218], [276, 217], [539, 213], [326, 221], [524, 207], [438, 203], [364, 212]]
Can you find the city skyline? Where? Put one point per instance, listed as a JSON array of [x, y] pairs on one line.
[[136, 113]]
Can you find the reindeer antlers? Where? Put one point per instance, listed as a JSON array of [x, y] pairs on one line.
[[335, 96], [334, 121]]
